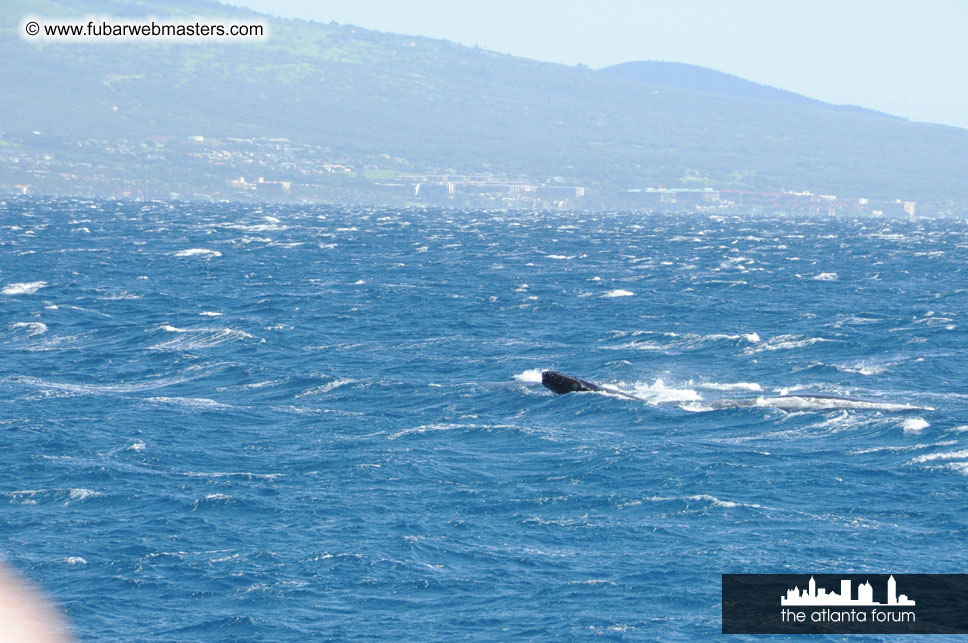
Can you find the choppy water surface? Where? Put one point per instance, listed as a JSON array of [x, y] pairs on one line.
[[230, 422]]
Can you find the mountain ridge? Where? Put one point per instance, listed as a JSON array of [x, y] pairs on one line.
[[437, 106]]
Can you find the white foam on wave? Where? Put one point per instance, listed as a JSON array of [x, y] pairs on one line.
[[733, 386], [24, 288], [209, 313], [960, 467], [862, 368], [137, 445], [639, 345], [95, 389], [826, 276], [657, 393], [190, 402], [914, 425], [32, 328], [82, 494], [795, 402], [784, 342], [678, 341], [198, 252], [946, 455], [592, 581], [195, 338], [853, 320], [705, 497], [531, 376], [327, 387], [447, 426], [898, 449], [233, 474], [255, 227], [75, 560], [713, 499], [618, 293]]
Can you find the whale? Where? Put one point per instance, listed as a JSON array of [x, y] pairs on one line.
[[561, 384]]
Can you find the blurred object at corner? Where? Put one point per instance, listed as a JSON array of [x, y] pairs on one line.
[[26, 616]]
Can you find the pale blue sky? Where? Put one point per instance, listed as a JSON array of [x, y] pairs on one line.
[[906, 58]]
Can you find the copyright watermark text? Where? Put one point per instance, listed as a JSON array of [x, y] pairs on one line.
[[93, 29]]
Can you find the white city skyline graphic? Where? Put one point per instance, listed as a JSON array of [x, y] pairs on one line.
[[812, 595]]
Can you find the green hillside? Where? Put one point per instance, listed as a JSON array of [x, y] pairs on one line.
[[438, 105]]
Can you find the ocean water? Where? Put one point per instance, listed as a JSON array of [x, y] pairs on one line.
[[237, 422]]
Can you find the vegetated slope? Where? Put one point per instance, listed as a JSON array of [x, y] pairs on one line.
[[443, 105], [700, 79]]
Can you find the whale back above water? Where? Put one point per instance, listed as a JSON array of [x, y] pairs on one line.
[[561, 383]]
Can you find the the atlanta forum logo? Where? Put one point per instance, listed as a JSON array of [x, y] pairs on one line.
[[845, 603], [842, 607]]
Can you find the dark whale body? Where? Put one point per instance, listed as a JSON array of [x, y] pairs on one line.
[[561, 383]]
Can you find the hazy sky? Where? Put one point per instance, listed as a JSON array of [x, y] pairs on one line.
[[906, 58]]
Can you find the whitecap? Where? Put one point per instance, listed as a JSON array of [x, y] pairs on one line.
[[905, 447], [705, 497], [198, 252], [794, 402], [914, 425], [190, 402], [592, 581], [32, 328], [658, 393], [618, 293], [784, 342], [532, 376], [327, 387], [826, 276], [196, 338], [25, 288], [946, 455], [732, 386], [233, 474], [713, 499], [430, 428], [862, 368], [94, 389], [82, 494]]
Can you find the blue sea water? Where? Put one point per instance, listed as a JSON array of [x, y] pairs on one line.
[[238, 422]]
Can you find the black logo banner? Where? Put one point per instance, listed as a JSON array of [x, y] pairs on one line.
[[845, 603]]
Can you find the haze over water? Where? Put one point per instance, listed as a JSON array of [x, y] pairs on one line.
[[233, 422]]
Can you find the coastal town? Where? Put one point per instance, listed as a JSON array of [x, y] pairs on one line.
[[199, 167]]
